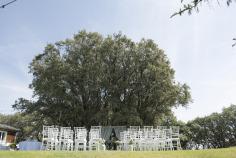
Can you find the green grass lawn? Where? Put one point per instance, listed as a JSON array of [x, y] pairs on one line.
[[214, 153]]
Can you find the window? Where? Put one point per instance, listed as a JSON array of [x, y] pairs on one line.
[[3, 135]]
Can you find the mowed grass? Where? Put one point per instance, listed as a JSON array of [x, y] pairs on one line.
[[213, 153]]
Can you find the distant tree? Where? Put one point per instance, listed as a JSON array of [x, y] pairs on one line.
[[30, 125], [229, 117], [217, 130], [92, 80]]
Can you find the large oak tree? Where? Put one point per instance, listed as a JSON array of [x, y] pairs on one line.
[[95, 80]]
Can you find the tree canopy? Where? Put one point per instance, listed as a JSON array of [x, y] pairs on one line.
[[217, 130], [95, 80]]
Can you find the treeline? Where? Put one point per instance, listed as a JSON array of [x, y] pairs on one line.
[[217, 130], [30, 125]]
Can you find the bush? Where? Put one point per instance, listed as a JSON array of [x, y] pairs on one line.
[[12, 146]]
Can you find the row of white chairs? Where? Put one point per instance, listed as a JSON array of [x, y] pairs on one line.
[[149, 138], [135, 138], [64, 138], [57, 138]]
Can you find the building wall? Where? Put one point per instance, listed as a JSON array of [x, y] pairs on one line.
[[10, 137]]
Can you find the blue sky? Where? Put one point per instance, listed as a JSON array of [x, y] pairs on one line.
[[198, 46]]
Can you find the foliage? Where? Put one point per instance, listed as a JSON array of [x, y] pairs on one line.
[[12, 146], [30, 125], [92, 80], [194, 5], [215, 153], [217, 130]]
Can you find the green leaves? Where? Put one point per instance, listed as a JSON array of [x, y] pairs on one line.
[[194, 5], [91, 80], [30, 125], [217, 130]]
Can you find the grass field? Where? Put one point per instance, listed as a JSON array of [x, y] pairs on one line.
[[214, 153]]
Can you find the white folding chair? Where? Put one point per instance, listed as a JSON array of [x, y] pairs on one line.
[[66, 138], [53, 142], [80, 138], [95, 140], [147, 128], [45, 136], [176, 138], [168, 140]]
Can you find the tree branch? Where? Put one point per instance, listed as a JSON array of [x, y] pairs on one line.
[[4, 5], [234, 42], [187, 7], [194, 5]]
